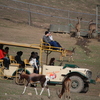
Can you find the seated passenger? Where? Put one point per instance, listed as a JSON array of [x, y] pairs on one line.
[[33, 61], [48, 39], [52, 61], [18, 57], [7, 52], [6, 61], [37, 59]]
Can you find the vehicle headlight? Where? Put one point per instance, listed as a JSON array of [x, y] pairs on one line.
[[89, 74]]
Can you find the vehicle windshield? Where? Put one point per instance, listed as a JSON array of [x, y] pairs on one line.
[[71, 66]]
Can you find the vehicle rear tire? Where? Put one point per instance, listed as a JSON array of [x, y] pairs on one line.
[[19, 82], [1, 75], [77, 84], [16, 79]]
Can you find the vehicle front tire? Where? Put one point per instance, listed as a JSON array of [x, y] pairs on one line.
[[86, 88], [77, 84]]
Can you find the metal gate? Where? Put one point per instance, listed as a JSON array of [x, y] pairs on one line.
[[59, 28]]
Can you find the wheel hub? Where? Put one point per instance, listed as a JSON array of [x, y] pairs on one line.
[[74, 84]]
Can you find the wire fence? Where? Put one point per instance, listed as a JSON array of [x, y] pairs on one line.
[[32, 13]]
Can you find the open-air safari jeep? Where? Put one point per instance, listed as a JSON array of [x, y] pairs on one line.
[[80, 77]]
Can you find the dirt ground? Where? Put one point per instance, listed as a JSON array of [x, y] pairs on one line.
[[15, 32], [10, 91]]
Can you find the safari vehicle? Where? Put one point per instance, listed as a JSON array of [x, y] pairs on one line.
[[80, 77]]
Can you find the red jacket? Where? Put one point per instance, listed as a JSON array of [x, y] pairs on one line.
[[2, 54]]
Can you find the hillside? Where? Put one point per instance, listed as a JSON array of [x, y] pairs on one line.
[[23, 33], [14, 27], [46, 12], [85, 6], [11, 29]]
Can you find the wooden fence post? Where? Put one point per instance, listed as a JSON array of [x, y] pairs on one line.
[[30, 22], [68, 17]]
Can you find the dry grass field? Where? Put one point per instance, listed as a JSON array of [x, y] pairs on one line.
[[22, 33], [15, 32]]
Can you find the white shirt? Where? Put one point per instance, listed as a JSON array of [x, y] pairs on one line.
[[51, 37], [33, 62]]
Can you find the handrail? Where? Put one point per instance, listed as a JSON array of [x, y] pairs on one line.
[[35, 46]]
